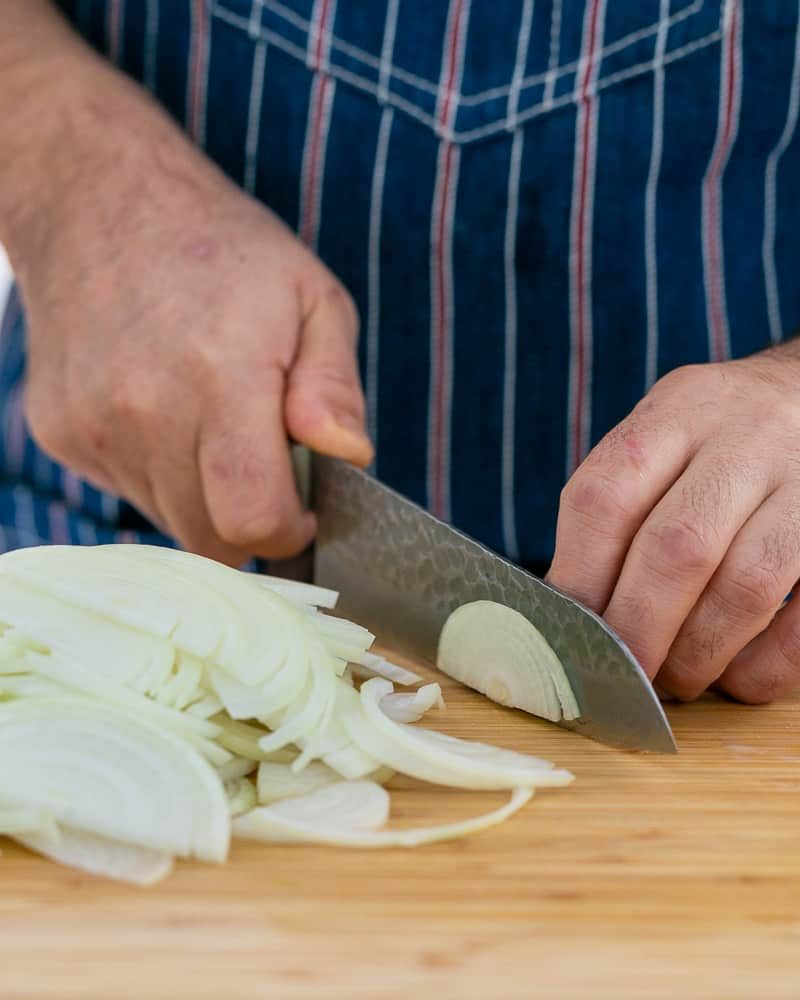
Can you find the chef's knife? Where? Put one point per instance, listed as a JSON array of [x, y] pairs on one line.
[[400, 572]]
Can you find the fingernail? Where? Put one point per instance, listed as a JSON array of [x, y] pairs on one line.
[[363, 450], [349, 422]]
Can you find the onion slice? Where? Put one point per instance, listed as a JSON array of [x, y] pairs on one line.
[[347, 806], [15, 821], [372, 665], [280, 781], [315, 821], [241, 794], [406, 707], [102, 771], [443, 760], [101, 856], [497, 651]]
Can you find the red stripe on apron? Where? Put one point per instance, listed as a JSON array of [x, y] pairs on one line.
[[719, 347], [198, 72], [438, 473], [115, 10], [320, 97], [581, 250]]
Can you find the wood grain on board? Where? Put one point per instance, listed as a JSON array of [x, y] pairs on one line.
[[650, 877]]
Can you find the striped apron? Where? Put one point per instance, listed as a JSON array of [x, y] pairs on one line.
[[539, 206]]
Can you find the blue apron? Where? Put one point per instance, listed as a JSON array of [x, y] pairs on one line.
[[539, 206]]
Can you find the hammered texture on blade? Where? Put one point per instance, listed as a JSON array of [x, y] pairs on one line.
[[401, 572]]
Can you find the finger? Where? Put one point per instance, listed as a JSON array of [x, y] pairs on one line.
[[178, 492], [741, 599], [769, 666], [606, 501], [248, 479], [324, 401], [677, 550]]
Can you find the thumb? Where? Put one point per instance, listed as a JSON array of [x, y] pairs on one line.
[[324, 401]]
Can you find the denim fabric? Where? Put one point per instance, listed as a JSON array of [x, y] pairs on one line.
[[539, 207]]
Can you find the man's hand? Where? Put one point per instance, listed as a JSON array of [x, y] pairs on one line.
[[179, 334], [682, 528]]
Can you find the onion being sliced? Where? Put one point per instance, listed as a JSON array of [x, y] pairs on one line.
[[497, 651], [101, 856], [443, 760], [316, 821], [103, 771]]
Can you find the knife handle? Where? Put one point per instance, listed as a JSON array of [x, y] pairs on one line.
[[301, 461]]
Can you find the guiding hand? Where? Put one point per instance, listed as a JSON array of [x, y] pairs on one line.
[[178, 334], [682, 528]]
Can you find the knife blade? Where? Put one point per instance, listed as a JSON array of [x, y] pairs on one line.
[[400, 572]]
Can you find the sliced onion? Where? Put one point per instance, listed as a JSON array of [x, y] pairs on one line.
[[329, 822], [411, 707], [303, 594], [497, 651], [241, 793], [334, 745], [370, 665], [103, 771], [43, 623], [238, 767], [101, 856], [196, 731], [109, 756], [443, 760], [183, 686], [15, 821], [280, 781], [353, 806], [204, 708], [242, 738], [203, 607]]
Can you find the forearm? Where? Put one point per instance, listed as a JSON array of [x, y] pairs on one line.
[[80, 140]]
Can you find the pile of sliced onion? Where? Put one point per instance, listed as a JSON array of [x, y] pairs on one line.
[[155, 703]]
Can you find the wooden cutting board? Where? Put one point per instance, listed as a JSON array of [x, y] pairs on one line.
[[651, 877]]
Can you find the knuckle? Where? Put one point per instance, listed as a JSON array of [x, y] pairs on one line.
[[751, 592], [682, 545], [132, 401], [688, 379], [596, 497], [206, 365], [245, 528]]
